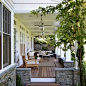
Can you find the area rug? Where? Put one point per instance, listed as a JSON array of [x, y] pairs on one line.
[[47, 64]]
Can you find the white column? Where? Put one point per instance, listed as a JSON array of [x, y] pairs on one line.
[[85, 52], [68, 55], [56, 40], [76, 62], [12, 37], [1, 26], [56, 50], [62, 52], [59, 51]]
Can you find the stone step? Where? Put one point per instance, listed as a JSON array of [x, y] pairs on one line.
[[42, 79], [43, 84]]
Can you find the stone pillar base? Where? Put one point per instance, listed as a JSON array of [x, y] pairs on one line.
[[68, 64], [25, 75]]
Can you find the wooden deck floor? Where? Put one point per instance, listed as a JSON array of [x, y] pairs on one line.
[[46, 71]]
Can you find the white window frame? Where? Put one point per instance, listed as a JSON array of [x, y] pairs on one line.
[[2, 34]]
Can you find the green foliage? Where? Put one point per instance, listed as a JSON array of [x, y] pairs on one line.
[[71, 14], [18, 81], [37, 41], [72, 17], [44, 48], [36, 57], [50, 39], [84, 62]]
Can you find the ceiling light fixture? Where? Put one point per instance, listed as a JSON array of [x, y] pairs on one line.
[[41, 24]]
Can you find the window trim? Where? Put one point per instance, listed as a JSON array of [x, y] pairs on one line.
[[2, 34]]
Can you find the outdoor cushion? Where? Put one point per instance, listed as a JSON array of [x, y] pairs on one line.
[[31, 53]]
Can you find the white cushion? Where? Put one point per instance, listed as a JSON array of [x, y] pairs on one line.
[[31, 53], [43, 52], [31, 57], [26, 57], [20, 62], [48, 51], [38, 59]]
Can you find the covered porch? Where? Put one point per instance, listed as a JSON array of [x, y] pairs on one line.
[[18, 30], [26, 28]]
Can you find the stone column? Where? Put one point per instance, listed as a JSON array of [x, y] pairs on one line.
[[76, 62]]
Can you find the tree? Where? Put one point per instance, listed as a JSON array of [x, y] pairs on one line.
[[72, 17], [50, 39]]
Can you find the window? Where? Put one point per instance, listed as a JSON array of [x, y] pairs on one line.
[[27, 43], [6, 21], [15, 44], [6, 37], [22, 43], [31, 42], [0, 52]]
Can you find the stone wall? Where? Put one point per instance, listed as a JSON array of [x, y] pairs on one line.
[[25, 74], [67, 76], [76, 76], [8, 77], [40, 46], [66, 64]]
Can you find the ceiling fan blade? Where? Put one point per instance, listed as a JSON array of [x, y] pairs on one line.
[[39, 32], [44, 25], [36, 25], [46, 32]]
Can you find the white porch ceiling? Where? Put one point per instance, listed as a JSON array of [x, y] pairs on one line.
[[30, 21], [22, 10]]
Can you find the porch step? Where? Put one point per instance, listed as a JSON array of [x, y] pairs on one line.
[[43, 84], [42, 79]]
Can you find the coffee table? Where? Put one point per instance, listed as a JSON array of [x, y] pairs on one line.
[[46, 56]]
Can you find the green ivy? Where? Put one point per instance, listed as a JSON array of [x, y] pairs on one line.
[[18, 81]]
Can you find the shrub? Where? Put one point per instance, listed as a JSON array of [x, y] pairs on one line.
[[18, 81]]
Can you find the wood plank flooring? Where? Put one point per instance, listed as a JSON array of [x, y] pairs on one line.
[[45, 71]]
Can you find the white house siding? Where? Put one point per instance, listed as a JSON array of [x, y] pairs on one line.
[[9, 71]]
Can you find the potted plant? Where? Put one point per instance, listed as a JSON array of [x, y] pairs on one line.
[[35, 57]]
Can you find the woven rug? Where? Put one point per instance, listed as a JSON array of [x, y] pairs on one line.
[[47, 64]]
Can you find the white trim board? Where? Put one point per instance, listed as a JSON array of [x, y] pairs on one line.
[[42, 79]]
